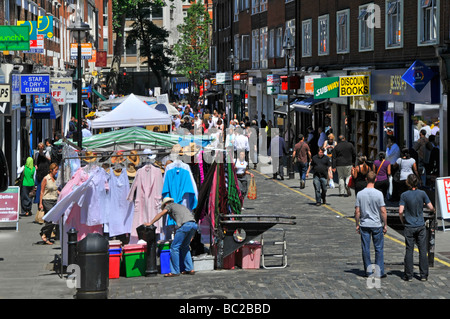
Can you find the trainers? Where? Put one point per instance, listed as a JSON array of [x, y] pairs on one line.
[[318, 204], [406, 278], [423, 278]]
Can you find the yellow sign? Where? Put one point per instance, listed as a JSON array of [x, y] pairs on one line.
[[356, 85]]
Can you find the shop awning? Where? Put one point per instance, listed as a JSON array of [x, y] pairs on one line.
[[304, 105], [99, 95]]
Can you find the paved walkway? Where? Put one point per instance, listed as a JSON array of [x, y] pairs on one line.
[[324, 259]]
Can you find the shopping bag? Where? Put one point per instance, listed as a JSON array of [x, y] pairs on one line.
[[391, 186], [252, 189], [39, 215], [331, 183], [351, 183]]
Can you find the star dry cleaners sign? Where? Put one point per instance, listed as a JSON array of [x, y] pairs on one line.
[[343, 86], [35, 84]]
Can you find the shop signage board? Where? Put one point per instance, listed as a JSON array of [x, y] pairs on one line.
[[5, 93], [9, 205], [273, 84], [72, 97], [36, 46], [309, 83], [15, 90], [325, 88], [102, 59], [62, 83], [418, 75], [354, 85], [443, 197], [86, 51], [35, 84], [14, 38], [59, 95]]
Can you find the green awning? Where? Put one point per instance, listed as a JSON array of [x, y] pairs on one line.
[[99, 95]]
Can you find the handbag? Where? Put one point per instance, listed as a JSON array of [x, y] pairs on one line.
[[39, 215], [32, 193], [397, 173], [351, 183], [252, 189]]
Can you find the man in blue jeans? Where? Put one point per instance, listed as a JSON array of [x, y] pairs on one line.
[[411, 215], [371, 223], [179, 249], [321, 165], [303, 155]]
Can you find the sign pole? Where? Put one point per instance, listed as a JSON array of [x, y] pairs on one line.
[[79, 107]]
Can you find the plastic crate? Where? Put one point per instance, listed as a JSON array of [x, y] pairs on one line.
[[164, 260], [114, 265], [203, 262], [134, 260]]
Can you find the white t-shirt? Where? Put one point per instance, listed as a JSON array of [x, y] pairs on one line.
[[240, 167], [405, 167]]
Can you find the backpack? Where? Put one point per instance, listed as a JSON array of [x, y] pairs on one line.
[[56, 154]]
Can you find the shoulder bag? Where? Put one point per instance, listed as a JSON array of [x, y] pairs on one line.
[[397, 173]]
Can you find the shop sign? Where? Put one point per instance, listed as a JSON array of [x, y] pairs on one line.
[[72, 97], [5, 93], [443, 192], [102, 59], [220, 78], [418, 75], [273, 84], [86, 51], [14, 38], [60, 96], [354, 85], [35, 84], [9, 208], [62, 83], [325, 88], [388, 85], [309, 83]]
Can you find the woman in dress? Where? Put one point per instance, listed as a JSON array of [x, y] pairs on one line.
[[382, 168], [42, 165], [359, 174], [48, 199]]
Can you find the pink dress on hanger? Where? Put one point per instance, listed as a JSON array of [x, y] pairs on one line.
[[147, 186]]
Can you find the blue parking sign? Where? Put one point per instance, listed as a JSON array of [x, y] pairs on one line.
[[35, 84]]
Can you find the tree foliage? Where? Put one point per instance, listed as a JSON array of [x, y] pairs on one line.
[[192, 49]]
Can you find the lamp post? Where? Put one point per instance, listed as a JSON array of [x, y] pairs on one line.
[[203, 76], [78, 28], [232, 60], [288, 47]]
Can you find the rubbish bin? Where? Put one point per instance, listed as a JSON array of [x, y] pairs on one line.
[[150, 236], [93, 260]]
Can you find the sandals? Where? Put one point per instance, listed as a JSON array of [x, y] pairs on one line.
[[192, 272], [45, 240], [171, 275]]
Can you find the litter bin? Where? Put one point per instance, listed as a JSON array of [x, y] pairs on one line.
[[93, 260], [150, 235]]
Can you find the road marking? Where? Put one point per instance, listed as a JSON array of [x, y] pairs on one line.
[[343, 215]]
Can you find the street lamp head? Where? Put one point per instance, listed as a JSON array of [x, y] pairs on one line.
[[79, 25]]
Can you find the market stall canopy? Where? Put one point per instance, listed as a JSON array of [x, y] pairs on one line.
[[110, 104], [132, 112], [166, 108], [132, 137]]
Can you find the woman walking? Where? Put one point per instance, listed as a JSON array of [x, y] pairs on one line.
[[407, 165], [27, 186], [382, 168], [242, 172], [359, 174], [48, 199]]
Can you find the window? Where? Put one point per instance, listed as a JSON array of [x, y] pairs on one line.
[[262, 5], [255, 49], [394, 23], [245, 47], [323, 35], [237, 51], [245, 4], [279, 43], [263, 47], [236, 10], [212, 59], [365, 32], [271, 46], [342, 31], [428, 22], [306, 38], [131, 48], [255, 6], [291, 26]]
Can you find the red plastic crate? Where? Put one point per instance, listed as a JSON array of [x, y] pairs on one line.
[[114, 266], [249, 256]]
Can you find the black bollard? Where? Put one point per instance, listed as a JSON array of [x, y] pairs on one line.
[[72, 240], [93, 260], [150, 237]]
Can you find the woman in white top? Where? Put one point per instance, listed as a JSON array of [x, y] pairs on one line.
[[242, 172], [407, 166]]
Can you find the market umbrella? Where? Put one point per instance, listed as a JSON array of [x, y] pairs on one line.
[[162, 108]]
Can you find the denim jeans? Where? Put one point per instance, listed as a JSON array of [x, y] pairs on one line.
[[320, 186], [180, 254], [416, 235], [376, 234], [302, 169]]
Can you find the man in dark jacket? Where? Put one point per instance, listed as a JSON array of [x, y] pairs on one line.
[[344, 157]]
